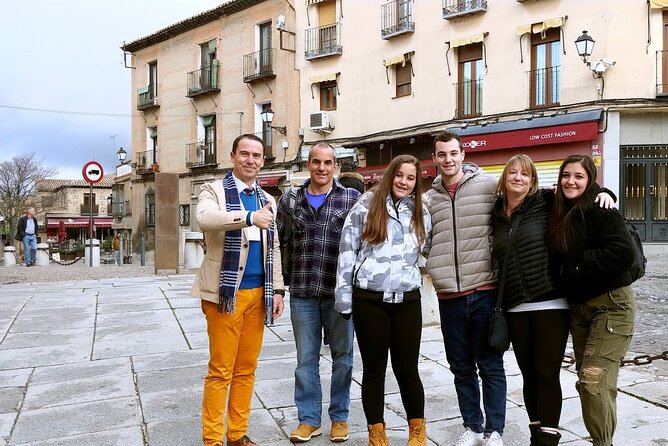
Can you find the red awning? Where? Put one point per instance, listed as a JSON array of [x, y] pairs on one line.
[[373, 174], [269, 181], [556, 134], [80, 222]]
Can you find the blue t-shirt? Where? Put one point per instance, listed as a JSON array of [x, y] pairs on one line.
[[315, 200]]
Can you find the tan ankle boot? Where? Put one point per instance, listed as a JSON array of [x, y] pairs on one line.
[[417, 432], [377, 435]]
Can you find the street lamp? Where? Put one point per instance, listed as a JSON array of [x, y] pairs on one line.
[[584, 45], [121, 154], [268, 117]]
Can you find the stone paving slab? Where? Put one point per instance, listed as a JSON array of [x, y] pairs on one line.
[[41, 356], [45, 337], [73, 419], [129, 436], [138, 305], [172, 379], [15, 378], [170, 360], [10, 399], [174, 404]]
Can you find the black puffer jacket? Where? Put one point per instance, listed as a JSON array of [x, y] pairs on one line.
[[530, 275], [600, 260]]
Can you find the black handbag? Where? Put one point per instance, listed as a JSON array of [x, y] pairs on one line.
[[497, 333]]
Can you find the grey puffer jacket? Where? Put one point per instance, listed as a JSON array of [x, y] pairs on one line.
[[390, 267], [461, 253]]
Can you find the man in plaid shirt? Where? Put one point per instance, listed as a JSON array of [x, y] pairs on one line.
[[320, 209]]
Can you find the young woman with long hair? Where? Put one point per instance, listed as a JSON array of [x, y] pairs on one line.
[[378, 280], [594, 251]]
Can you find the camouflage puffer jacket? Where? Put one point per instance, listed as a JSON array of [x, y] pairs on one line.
[[390, 267]]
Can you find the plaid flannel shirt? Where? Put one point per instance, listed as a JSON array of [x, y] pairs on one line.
[[315, 239]]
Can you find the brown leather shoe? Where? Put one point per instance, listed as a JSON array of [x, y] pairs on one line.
[[243, 441]]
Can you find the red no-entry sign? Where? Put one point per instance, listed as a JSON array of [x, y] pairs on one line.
[[92, 172]]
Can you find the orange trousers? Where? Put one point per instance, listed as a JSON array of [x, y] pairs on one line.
[[235, 341]]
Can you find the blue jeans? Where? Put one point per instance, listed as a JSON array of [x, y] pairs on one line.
[[464, 323], [29, 248], [309, 316]]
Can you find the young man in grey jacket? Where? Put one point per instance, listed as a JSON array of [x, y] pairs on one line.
[[460, 265]]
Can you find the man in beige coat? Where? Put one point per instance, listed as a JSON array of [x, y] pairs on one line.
[[241, 287]]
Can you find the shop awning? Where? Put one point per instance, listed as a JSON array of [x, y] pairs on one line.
[[373, 174], [658, 4], [323, 78], [400, 59], [80, 222], [270, 181], [476, 38]]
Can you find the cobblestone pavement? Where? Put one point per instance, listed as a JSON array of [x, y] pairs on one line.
[[116, 356]]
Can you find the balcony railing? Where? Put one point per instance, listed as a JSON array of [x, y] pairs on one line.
[[544, 87], [469, 98], [84, 209], [147, 161], [259, 65], [121, 208], [200, 154], [662, 74], [204, 80], [458, 8], [396, 18], [146, 97], [323, 41]]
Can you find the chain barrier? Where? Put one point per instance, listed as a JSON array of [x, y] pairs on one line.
[[68, 263], [638, 360]]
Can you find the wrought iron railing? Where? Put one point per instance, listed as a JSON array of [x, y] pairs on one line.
[[121, 208], [544, 86], [146, 97], [396, 18], [662, 73], [201, 154], [323, 41], [469, 98], [455, 8], [147, 161], [258, 65], [203, 80]]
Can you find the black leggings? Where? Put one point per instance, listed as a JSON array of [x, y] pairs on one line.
[[398, 328], [539, 341]]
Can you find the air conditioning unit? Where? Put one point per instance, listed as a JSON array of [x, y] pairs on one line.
[[319, 121]]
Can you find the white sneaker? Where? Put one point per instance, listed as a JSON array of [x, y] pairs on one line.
[[470, 438], [495, 439]]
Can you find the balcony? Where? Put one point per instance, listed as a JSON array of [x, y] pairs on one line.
[[147, 162], [459, 8], [147, 97], [544, 87], [84, 209], [200, 154], [259, 65], [204, 80], [396, 18], [121, 208], [469, 98], [323, 41], [662, 74]]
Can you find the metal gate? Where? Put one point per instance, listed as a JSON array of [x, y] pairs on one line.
[[644, 192]]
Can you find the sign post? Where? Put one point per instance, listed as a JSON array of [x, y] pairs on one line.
[[92, 173]]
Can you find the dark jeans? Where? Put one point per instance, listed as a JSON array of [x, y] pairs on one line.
[[464, 324], [380, 327], [539, 341]]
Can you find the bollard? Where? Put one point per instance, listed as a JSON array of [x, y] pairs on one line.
[[42, 255], [96, 252], [10, 256], [193, 254], [142, 250]]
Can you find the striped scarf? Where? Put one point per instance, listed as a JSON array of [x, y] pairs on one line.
[[229, 271]]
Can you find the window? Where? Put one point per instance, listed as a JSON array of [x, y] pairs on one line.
[[266, 135], [328, 95], [152, 146], [149, 207], [208, 55], [403, 78], [153, 79], [545, 65], [184, 215], [265, 48], [469, 88]]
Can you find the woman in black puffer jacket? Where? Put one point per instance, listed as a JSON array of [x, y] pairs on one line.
[[594, 252], [537, 313]]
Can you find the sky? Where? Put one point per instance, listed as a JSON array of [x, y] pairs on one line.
[[65, 56]]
